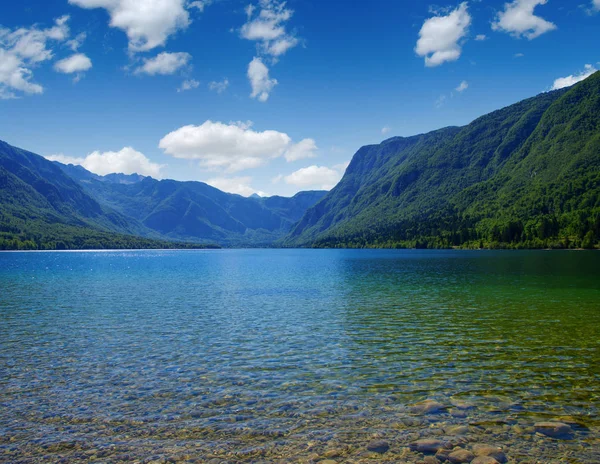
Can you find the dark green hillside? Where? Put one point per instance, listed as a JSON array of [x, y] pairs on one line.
[[43, 208], [524, 176]]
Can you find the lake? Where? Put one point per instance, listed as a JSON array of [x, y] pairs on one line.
[[299, 355]]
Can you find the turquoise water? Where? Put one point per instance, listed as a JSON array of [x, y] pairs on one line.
[[296, 355]]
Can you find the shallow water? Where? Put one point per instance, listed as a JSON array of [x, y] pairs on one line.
[[296, 355]]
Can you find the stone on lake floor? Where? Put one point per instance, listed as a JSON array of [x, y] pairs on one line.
[[427, 407], [459, 404], [484, 460], [378, 446], [442, 455], [482, 450], [428, 445], [328, 461], [458, 413], [332, 453], [458, 430], [554, 429], [430, 460], [460, 456]]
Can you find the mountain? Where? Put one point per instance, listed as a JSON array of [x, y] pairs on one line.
[[525, 176], [82, 175], [195, 211], [42, 207]]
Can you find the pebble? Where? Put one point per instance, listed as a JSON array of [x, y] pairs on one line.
[[484, 460], [430, 460], [462, 405], [379, 446], [457, 413], [553, 429], [332, 453], [482, 450], [458, 430], [460, 456], [428, 445], [427, 407], [328, 461]]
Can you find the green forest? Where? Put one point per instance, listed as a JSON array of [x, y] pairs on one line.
[[526, 176]]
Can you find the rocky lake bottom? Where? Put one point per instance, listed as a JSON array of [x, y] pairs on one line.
[[329, 356]]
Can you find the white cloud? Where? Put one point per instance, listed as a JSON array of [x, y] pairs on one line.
[[518, 19], [304, 149], [267, 27], [519, 55], [258, 74], [219, 86], [238, 185], [441, 101], [188, 84], [164, 63], [596, 4], [77, 41], [147, 23], [573, 79], [464, 85], [74, 64], [316, 177], [385, 130], [440, 37], [125, 161], [480, 37], [231, 147], [21, 50], [200, 4]]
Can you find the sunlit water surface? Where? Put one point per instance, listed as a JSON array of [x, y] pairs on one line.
[[296, 355]]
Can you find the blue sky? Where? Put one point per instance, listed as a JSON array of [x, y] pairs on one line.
[[267, 96]]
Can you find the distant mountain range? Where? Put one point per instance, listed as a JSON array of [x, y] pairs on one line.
[[526, 176], [46, 204], [195, 211]]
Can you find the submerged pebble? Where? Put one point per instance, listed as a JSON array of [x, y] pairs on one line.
[[554, 429]]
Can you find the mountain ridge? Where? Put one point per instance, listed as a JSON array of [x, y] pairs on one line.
[[439, 189]]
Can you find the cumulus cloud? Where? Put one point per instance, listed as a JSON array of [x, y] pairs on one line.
[[76, 63], [596, 4], [385, 130], [188, 84], [200, 4], [147, 23], [232, 147], [268, 28], [464, 85], [21, 50], [219, 86], [125, 161], [315, 177], [77, 41], [164, 63], [480, 37], [237, 185], [258, 74], [304, 149], [440, 37], [573, 79], [518, 19]]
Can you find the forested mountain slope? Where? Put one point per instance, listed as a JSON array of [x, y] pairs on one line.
[[43, 208], [525, 176]]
